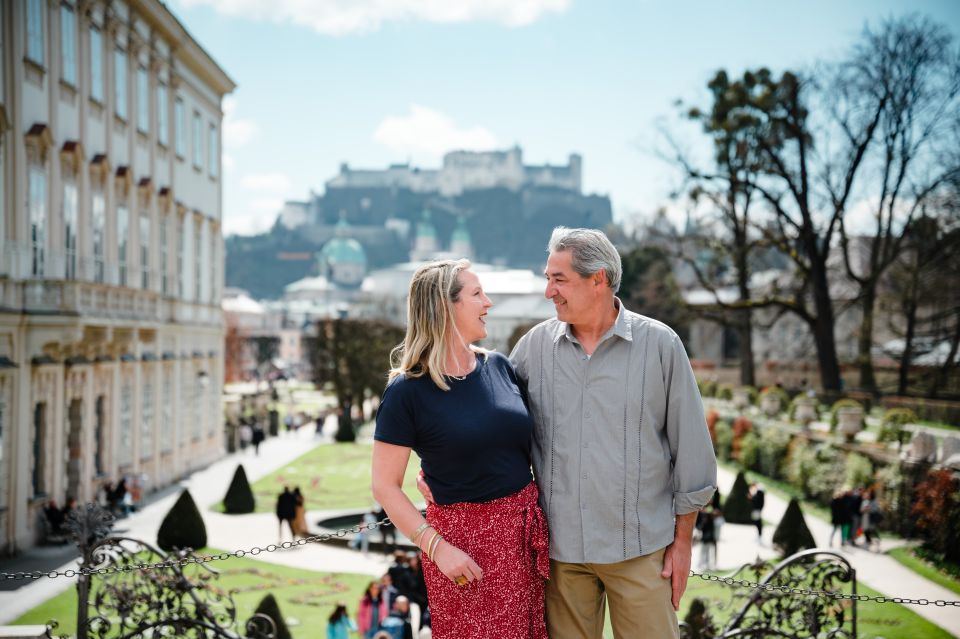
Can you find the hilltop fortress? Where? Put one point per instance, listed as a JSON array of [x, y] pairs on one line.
[[486, 205]]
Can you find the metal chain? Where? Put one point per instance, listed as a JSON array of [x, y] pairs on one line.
[[823, 594], [256, 550], [194, 559]]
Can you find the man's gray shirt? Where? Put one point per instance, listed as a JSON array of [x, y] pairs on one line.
[[620, 441]]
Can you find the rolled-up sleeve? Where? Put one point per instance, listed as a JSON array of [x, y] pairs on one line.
[[694, 461]]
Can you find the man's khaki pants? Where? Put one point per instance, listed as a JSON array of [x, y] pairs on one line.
[[639, 598]]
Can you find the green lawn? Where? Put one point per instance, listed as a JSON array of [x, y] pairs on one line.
[[330, 477], [924, 568], [307, 598]]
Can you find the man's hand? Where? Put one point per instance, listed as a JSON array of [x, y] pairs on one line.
[[676, 566], [676, 558], [423, 488]]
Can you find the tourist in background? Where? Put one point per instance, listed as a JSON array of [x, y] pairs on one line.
[[372, 611], [340, 625]]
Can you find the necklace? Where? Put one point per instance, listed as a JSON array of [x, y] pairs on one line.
[[460, 378]]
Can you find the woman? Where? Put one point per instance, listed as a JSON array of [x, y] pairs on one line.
[[461, 409], [339, 626], [372, 611], [300, 515]]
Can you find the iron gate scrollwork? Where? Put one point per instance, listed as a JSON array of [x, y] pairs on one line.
[[176, 597], [781, 606]]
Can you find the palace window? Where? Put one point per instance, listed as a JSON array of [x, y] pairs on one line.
[[179, 127], [125, 448], [68, 44], [38, 219], [35, 31], [98, 219], [162, 114], [70, 228], [197, 140], [96, 64], [143, 100], [123, 241], [120, 82], [144, 251]]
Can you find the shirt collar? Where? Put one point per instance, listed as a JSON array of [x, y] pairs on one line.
[[621, 327]]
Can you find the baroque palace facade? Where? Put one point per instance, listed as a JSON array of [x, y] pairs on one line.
[[111, 253]]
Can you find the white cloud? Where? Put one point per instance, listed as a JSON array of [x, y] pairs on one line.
[[339, 17], [275, 183], [427, 132], [236, 131], [256, 216]]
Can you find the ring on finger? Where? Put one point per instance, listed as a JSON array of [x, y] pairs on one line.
[[461, 580]]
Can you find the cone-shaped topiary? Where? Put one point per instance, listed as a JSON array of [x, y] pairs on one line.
[[736, 507], [699, 625], [268, 606], [183, 526], [239, 499], [792, 534]]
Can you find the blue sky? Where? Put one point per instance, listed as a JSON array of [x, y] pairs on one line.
[[372, 82]]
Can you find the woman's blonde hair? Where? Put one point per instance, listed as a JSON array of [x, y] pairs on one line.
[[433, 290]]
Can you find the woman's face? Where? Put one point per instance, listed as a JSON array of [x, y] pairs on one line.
[[374, 589], [470, 311]]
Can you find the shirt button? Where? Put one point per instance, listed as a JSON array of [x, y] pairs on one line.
[[586, 444], [587, 415], [584, 475]]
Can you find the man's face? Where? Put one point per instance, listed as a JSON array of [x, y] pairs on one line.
[[576, 299]]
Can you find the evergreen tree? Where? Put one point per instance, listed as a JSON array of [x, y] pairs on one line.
[[268, 606], [183, 526], [239, 499], [736, 507], [792, 534]]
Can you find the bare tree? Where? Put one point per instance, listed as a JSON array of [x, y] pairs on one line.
[[902, 85]]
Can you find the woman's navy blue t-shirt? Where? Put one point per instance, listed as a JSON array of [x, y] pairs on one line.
[[473, 440]]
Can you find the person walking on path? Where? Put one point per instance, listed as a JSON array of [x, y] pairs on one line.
[[869, 518], [286, 512], [258, 436], [757, 497], [838, 513], [706, 524]]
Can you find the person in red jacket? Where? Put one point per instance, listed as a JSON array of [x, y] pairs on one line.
[[372, 611]]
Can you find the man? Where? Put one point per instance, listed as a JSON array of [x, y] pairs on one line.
[[621, 450]]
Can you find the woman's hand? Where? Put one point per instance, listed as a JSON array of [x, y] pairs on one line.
[[455, 563]]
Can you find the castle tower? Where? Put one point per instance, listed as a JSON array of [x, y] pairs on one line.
[[425, 243], [460, 244]]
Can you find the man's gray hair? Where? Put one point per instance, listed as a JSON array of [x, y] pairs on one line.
[[590, 250]]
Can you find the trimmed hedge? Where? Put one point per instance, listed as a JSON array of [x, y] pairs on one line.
[[268, 606], [792, 534], [183, 526], [736, 507], [239, 499]]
